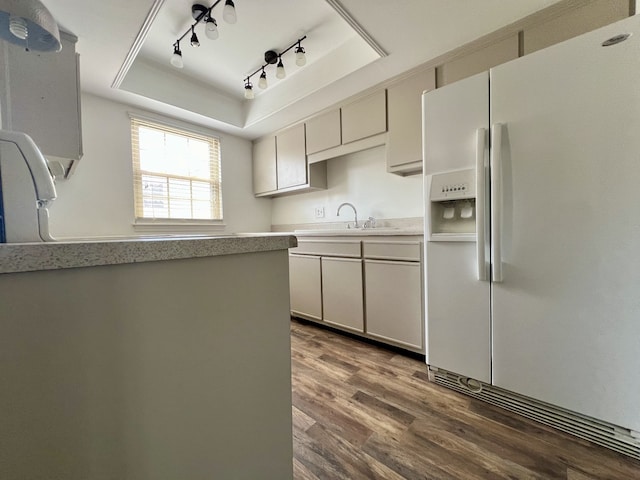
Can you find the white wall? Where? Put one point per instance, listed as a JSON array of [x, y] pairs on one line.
[[360, 178], [98, 198]]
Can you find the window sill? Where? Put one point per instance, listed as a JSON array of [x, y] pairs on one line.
[[165, 226]]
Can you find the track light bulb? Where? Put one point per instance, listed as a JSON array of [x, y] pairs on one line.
[[211, 29], [262, 83], [301, 58], [194, 38], [248, 91], [176, 58], [280, 72], [229, 12]]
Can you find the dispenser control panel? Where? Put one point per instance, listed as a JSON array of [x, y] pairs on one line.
[[450, 189], [452, 185], [451, 206]]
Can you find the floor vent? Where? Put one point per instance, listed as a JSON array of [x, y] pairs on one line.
[[602, 433]]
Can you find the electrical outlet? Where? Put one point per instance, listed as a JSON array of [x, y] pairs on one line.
[[319, 212]]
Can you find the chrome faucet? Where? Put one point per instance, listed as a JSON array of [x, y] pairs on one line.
[[355, 213]]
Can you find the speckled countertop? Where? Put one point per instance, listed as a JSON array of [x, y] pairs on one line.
[[29, 257]]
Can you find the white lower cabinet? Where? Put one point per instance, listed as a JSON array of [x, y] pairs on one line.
[[394, 302], [305, 286], [369, 285], [342, 300]]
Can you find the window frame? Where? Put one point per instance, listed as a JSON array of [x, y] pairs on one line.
[[163, 224]]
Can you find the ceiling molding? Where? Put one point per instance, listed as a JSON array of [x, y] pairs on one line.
[[137, 43], [356, 26]]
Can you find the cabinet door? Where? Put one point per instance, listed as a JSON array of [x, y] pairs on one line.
[[580, 20], [365, 117], [291, 157], [342, 303], [305, 287], [264, 166], [394, 302], [44, 93], [404, 145], [478, 61], [323, 132]]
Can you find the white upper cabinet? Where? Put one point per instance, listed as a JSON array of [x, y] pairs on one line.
[[323, 131], [291, 157], [280, 165], [404, 144], [264, 166], [478, 61], [365, 117], [42, 91], [582, 19]]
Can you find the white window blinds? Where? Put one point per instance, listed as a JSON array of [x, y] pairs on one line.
[[176, 173]]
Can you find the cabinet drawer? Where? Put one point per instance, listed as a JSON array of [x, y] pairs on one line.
[[335, 248], [407, 251]]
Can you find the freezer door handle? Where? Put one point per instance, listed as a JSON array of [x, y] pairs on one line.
[[496, 201], [481, 142]]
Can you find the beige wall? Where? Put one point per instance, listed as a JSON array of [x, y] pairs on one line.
[[362, 179], [98, 198]]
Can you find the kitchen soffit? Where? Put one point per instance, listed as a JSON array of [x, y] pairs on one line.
[[211, 81]]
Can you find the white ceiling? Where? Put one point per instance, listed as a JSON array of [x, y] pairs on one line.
[[239, 51], [209, 89]]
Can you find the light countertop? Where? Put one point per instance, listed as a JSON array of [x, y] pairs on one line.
[[28, 257], [339, 232]]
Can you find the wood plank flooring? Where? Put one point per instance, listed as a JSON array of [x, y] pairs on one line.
[[365, 412]]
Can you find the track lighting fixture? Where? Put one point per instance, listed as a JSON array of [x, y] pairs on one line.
[[202, 13], [262, 83], [301, 59], [229, 12], [176, 58], [211, 28], [194, 38], [271, 57], [248, 89], [280, 72]]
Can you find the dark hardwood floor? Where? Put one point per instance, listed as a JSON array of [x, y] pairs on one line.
[[364, 412]]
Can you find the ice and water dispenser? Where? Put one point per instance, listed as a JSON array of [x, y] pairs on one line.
[[451, 205]]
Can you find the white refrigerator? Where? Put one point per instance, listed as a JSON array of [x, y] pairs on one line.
[[532, 226]]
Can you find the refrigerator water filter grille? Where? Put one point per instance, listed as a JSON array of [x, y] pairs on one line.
[[611, 436]]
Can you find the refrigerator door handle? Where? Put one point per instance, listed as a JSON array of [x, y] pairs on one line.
[[496, 201], [481, 135]]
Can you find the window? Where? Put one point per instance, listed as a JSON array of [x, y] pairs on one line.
[[176, 173]]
